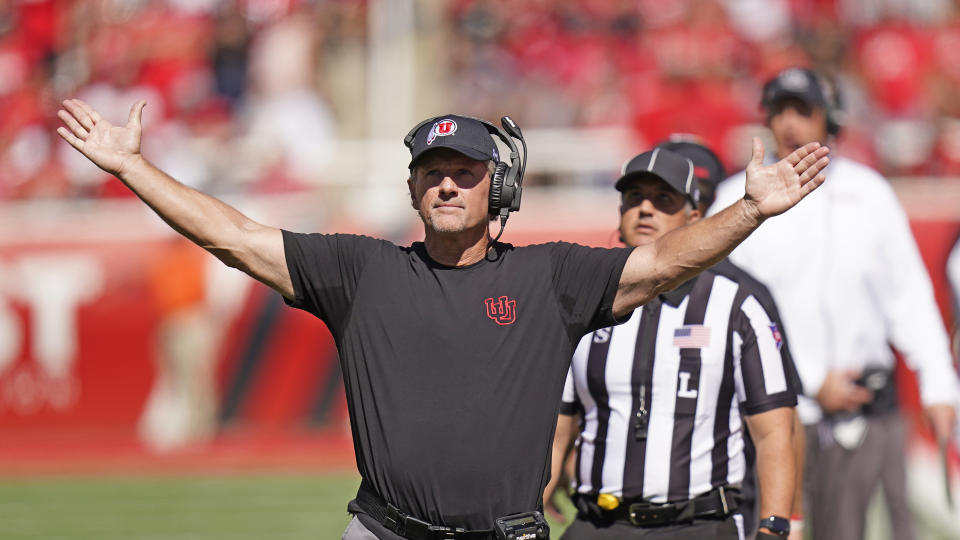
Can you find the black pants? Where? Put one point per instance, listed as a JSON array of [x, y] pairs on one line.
[[727, 529]]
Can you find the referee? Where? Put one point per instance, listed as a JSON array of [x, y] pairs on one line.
[[657, 401], [709, 172]]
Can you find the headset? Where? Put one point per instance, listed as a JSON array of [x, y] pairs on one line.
[[836, 111], [506, 184]]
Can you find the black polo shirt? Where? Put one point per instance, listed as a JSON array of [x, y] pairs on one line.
[[453, 375]]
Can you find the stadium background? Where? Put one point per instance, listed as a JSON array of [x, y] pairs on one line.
[[148, 392]]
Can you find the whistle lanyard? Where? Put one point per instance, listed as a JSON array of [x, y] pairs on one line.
[[643, 367]]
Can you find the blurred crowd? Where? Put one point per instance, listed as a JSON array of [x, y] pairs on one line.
[[238, 93], [697, 66], [250, 95]]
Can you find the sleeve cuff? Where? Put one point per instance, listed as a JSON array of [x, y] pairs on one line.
[[568, 408], [786, 399], [938, 388]]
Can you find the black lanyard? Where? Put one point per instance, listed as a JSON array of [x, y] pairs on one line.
[[646, 349]]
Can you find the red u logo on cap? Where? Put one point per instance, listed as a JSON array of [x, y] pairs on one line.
[[441, 129]]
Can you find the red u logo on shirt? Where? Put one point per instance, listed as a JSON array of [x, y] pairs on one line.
[[503, 310]]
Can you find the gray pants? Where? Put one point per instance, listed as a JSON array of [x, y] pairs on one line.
[[840, 482], [356, 531], [728, 529], [367, 529]]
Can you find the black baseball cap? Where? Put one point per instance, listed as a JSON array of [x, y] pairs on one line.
[[466, 135], [707, 167], [671, 167], [796, 82]]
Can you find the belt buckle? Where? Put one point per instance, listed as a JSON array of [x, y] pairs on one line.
[[649, 515], [444, 533]]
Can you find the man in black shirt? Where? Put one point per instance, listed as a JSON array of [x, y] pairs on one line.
[[453, 350]]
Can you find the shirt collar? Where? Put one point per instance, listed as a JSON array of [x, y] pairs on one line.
[[676, 296]]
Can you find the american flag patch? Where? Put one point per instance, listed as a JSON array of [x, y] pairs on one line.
[[693, 336], [777, 337]]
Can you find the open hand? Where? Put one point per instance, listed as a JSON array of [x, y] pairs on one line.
[[776, 188], [942, 419], [109, 147]]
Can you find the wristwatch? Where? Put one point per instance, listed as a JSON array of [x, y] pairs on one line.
[[777, 525]]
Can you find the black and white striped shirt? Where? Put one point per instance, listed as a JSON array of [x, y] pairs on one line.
[[718, 351]]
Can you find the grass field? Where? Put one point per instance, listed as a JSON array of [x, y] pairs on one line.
[[182, 507], [247, 506], [237, 506]]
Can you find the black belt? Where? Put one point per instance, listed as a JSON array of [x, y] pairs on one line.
[[716, 504], [408, 526]]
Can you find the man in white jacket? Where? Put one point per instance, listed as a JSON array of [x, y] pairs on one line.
[[849, 287], [953, 276]]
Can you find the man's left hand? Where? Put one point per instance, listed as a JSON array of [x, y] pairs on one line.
[[773, 189], [942, 418]]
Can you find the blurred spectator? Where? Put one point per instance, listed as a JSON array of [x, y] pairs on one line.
[[944, 81], [181, 408], [231, 44], [287, 121]]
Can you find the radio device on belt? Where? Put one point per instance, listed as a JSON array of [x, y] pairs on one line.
[[525, 526]]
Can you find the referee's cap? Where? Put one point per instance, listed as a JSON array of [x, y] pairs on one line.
[[796, 82], [674, 169], [466, 135], [707, 167]]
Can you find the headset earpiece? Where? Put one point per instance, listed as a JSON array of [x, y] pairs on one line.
[[834, 104], [496, 199], [835, 114]]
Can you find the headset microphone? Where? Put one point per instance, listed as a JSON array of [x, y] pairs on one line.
[[512, 128]]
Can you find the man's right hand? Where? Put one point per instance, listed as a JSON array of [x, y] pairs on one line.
[[112, 148], [841, 393], [551, 508]]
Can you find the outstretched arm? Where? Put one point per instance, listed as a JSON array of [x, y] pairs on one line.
[[684, 252], [208, 222]]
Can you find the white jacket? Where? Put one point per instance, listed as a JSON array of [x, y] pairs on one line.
[[953, 275], [847, 276]]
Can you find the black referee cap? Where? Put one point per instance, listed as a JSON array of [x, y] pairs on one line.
[[674, 169], [707, 167], [468, 136]]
